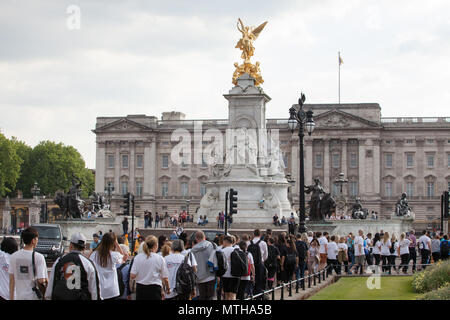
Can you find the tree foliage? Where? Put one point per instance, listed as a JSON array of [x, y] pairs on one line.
[[10, 163]]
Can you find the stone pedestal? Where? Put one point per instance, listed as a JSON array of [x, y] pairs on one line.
[[252, 164], [343, 227], [34, 212]]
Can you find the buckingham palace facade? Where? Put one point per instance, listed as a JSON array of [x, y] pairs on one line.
[[380, 158]]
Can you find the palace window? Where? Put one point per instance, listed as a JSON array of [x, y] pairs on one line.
[[388, 162], [336, 160], [204, 164], [409, 160], [448, 159], [409, 141], [184, 189], [430, 141], [165, 161], [430, 189], [125, 161], [353, 185], [124, 187], [353, 160], [139, 188], [164, 189], [410, 189], [111, 161], [318, 161], [430, 160], [139, 161], [202, 189], [388, 189]]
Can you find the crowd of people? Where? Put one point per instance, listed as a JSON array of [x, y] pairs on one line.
[[228, 268], [159, 220]]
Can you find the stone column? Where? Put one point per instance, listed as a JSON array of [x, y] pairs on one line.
[[308, 161], [344, 163], [362, 167], [147, 165], [100, 167], [117, 186], [376, 166], [326, 164], [6, 217], [132, 165], [153, 164], [34, 211]]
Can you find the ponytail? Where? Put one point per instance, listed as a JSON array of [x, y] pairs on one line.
[[148, 245]]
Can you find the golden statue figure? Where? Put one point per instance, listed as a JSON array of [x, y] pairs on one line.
[[249, 34]]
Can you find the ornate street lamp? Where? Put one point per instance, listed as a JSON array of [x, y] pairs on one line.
[[108, 190], [301, 119], [341, 201], [340, 181], [35, 190]]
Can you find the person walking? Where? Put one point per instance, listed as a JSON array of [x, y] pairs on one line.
[[173, 261], [412, 249], [403, 252], [58, 286], [301, 245], [271, 263], [246, 281], [436, 248], [343, 255], [289, 261], [394, 253], [259, 257], [206, 279], [424, 243], [322, 238], [385, 252], [313, 257], [445, 248], [106, 257], [230, 283], [332, 252], [368, 249], [27, 269], [376, 249], [8, 247], [149, 271], [359, 252]]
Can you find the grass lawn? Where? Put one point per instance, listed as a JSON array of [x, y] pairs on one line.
[[355, 288]]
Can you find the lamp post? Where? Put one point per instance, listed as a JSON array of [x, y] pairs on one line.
[[108, 190], [339, 182], [303, 120], [35, 190]]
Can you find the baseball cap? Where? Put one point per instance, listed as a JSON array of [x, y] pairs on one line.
[[95, 235], [78, 238]]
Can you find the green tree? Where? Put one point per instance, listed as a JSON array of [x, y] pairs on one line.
[[24, 182], [10, 163]]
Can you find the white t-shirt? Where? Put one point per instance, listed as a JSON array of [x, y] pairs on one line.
[[107, 276], [4, 275], [342, 246], [425, 241], [90, 273], [395, 253], [385, 248], [310, 239], [149, 270], [21, 267], [173, 262], [250, 260], [332, 250], [322, 241], [227, 252], [359, 241], [377, 247], [404, 246]]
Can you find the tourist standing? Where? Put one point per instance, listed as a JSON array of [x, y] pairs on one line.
[[247, 280], [146, 219], [445, 248], [332, 252], [150, 272], [106, 257], [206, 279], [368, 249], [281, 246], [412, 249], [359, 252], [156, 219], [259, 257], [166, 219], [425, 248], [25, 275], [95, 243], [125, 225], [403, 252], [323, 249], [376, 249], [8, 247], [313, 256], [173, 261], [301, 245], [230, 283], [385, 252], [271, 263], [343, 255], [436, 248], [394, 252], [289, 261]]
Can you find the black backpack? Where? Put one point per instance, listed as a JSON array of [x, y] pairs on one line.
[[444, 249], [289, 261], [70, 279], [186, 279], [239, 263], [255, 250], [120, 277], [272, 260], [222, 264], [302, 249]]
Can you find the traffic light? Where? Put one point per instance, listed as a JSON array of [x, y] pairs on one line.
[[126, 204], [132, 203], [233, 201], [446, 204]]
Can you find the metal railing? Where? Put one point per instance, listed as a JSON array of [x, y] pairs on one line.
[[312, 280]]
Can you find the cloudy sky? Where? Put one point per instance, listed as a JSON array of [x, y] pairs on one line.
[[146, 57]]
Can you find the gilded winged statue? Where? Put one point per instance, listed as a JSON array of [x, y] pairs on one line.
[[249, 34]]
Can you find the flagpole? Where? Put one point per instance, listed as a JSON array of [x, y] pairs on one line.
[[339, 77]]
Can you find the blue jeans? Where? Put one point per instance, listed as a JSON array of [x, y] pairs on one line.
[[300, 270]]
